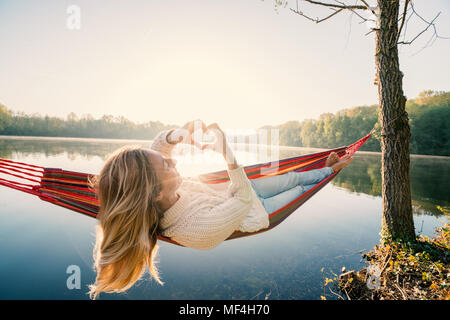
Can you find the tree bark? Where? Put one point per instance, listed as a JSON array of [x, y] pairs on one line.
[[397, 220]]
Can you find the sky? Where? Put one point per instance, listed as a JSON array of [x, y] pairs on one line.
[[239, 63]]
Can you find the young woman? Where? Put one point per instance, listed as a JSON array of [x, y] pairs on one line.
[[141, 195]]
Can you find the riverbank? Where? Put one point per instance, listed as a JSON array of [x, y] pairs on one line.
[[403, 271]]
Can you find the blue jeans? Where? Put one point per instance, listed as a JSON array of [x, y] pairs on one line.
[[276, 191]]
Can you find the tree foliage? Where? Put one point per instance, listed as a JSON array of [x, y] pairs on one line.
[[429, 116], [108, 126]]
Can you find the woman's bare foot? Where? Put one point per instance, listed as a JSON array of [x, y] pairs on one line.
[[345, 160], [332, 159]]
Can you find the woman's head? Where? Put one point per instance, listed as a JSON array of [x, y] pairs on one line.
[[168, 176], [129, 187]]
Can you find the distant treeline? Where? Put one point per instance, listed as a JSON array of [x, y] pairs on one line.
[[109, 127], [429, 119]]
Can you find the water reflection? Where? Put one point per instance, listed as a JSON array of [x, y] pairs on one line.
[[429, 180], [17, 147]]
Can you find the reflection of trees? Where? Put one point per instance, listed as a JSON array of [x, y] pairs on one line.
[[430, 183], [429, 180], [364, 175]]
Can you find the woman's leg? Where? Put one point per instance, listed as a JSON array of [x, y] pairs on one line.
[[277, 191], [274, 203], [271, 186]]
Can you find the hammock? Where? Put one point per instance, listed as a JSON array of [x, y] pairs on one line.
[[72, 190]]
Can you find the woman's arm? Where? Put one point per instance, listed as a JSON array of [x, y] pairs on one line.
[[212, 226], [209, 226]]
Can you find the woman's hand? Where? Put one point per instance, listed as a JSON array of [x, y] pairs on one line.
[[194, 125], [184, 134], [221, 145]]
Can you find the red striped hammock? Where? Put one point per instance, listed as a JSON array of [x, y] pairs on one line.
[[72, 190]]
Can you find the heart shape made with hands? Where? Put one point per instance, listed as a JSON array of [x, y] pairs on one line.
[[198, 134], [204, 139]]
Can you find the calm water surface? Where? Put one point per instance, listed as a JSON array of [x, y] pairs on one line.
[[39, 241]]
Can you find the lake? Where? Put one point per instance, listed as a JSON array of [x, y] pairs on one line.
[[40, 241]]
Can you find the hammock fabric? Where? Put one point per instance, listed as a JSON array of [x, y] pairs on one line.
[[72, 190]]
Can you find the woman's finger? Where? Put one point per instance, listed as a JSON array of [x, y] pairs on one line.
[[195, 125], [179, 135]]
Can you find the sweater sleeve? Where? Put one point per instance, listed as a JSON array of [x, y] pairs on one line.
[[211, 227], [161, 144]]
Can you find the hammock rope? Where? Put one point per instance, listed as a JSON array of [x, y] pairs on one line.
[[73, 190]]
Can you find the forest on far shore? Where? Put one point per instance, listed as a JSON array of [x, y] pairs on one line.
[[429, 119]]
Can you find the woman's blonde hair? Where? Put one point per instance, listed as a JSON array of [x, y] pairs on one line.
[[126, 242]]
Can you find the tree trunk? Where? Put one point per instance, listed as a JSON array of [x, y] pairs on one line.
[[397, 222]]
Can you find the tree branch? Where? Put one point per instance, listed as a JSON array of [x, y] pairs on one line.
[[429, 24], [356, 13], [420, 33], [317, 20], [406, 25], [337, 6], [368, 7], [372, 30], [403, 19]]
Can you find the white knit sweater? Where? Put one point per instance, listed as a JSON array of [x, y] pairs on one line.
[[204, 216]]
